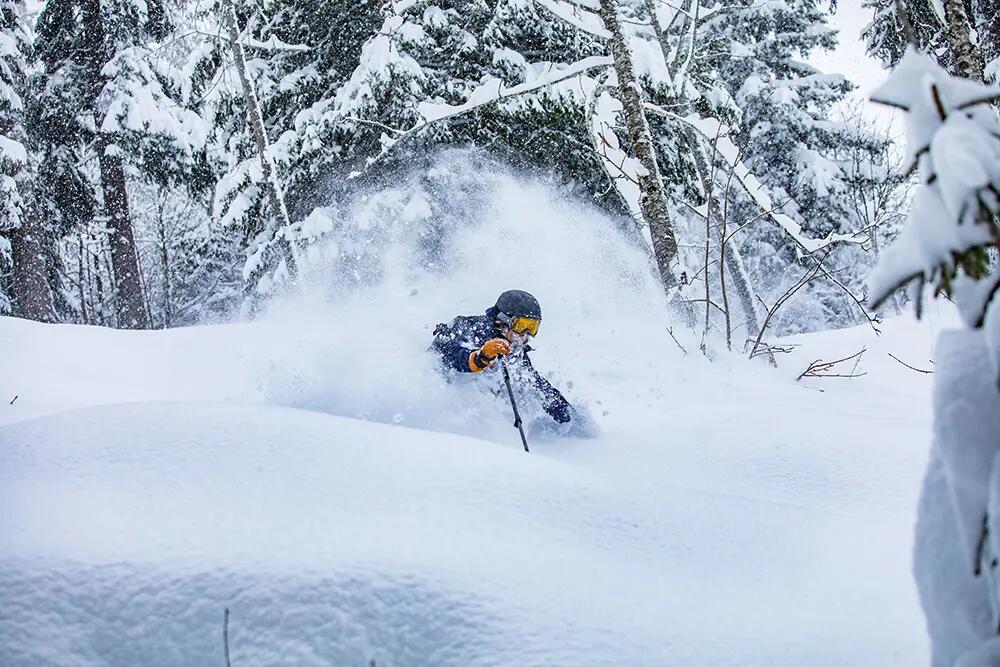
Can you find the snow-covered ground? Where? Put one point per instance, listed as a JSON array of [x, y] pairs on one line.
[[313, 473]]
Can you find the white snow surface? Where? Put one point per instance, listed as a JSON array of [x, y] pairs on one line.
[[953, 556], [312, 472]]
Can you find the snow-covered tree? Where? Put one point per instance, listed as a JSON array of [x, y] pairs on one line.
[[296, 55], [24, 288], [102, 97], [738, 115], [192, 269], [419, 75], [963, 37], [950, 242]]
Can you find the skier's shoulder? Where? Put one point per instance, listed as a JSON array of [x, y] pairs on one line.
[[463, 326]]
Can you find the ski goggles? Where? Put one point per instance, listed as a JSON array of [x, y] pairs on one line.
[[528, 325]]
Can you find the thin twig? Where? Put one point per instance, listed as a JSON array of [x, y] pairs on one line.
[[225, 635], [818, 368], [671, 332], [872, 321], [912, 368], [802, 282]]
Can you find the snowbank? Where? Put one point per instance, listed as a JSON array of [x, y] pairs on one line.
[[313, 473]]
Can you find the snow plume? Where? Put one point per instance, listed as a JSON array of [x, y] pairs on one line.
[[445, 240]]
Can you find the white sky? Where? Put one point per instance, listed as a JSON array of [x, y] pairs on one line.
[[850, 59]]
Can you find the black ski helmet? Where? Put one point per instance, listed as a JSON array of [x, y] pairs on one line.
[[518, 303]]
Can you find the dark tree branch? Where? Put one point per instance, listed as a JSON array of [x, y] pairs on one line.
[[912, 368], [819, 368]]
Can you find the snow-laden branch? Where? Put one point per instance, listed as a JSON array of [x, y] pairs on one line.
[[724, 148], [495, 91], [622, 170], [271, 44], [274, 44], [702, 16], [579, 15], [491, 92]]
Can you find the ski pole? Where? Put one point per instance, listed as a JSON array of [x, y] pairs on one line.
[[513, 404]]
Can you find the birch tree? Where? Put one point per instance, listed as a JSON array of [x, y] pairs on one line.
[[675, 58], [274, 233], [652, 198], [963, 37]]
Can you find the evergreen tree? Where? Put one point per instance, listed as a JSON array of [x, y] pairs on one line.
[[938, 29], [102, 97], [24, 289], [947, 242], [389, 98]]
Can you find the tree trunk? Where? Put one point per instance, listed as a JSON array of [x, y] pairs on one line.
[[165, 269], [968, 61], [984, 16], [129, 304], [652, 198], [30, 292], [731, 254], [275, 198]]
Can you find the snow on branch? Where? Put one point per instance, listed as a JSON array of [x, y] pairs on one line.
[[622, 169], [271, 44], [710, 128], [953, 137], [274, 44], [578, 14], [493, 91]]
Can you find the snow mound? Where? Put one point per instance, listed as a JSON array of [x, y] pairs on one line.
[[312, 471]]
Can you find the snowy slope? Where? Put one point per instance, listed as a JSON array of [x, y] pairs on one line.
[[678, 537], [311, 472]]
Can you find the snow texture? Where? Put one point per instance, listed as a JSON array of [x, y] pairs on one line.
[[962, 482], [953, 134], [954, 138], [313, 473]]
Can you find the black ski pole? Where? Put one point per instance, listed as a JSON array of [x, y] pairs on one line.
[[513, 404]]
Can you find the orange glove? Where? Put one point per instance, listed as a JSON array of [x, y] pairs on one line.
[[485, 356]]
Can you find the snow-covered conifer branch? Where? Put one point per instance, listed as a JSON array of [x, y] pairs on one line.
[[491, 92], [953, 218], [274, 44], [577, 15], [724, 148]]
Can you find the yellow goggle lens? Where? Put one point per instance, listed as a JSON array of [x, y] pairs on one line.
[[526, 325]]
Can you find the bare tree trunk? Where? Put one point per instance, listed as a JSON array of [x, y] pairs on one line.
[[987, 26], [164, 267], [968, 61], [30, 292], [652, 198], [275, 197], [82, 279], [731, 254], [129, 304], [95, 269]]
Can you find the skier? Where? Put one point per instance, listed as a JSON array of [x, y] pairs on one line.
[[474, 343]]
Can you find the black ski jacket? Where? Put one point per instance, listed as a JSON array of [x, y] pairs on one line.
[[466, 333]]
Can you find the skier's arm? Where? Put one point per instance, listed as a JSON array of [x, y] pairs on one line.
[[449, 342], [553, 402]]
